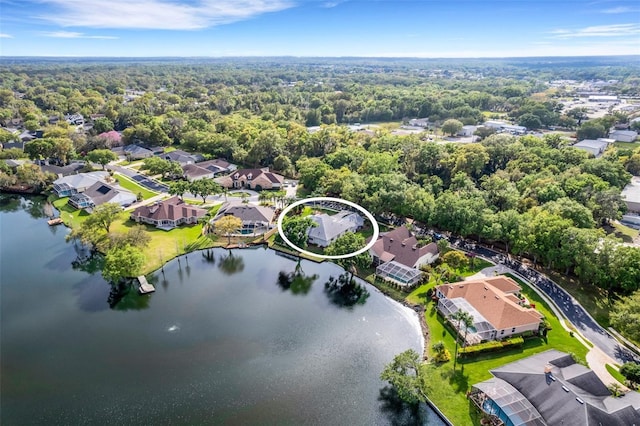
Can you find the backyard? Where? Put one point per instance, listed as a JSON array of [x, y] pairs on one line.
[[448, 389]]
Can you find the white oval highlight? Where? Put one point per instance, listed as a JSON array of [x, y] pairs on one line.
[[374, 224]]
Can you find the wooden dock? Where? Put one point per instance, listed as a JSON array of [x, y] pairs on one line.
[[55, 221], [145, 287]]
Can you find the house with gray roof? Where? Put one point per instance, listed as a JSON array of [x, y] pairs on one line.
[[624, 135], [100, 193], [206, 169], [255, 219], [73, 184], [330, 227], [593, 147], [182, 157], [550, 388]]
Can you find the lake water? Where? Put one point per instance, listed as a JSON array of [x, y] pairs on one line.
[[226, 339]]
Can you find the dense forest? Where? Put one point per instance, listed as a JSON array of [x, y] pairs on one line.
[[534, 196]]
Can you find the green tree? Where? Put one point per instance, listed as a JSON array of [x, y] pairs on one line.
[[102, 125], [296, 229], [461, 319], [530, 121], [455, 259], [179, 188], [625, 316], [405, 374], [204, 188], [102, 157], [228, 225], [103, 216], [631, 371], [452, 126], [591, 130], [122, 262], [347, 244]]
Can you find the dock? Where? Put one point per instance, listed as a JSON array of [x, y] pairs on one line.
[[145, 287], [55, 221]]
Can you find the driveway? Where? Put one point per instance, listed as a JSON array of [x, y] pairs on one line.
[[142, 180], [569, 306]]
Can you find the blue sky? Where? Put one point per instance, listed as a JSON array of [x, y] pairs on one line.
[[399, 28]]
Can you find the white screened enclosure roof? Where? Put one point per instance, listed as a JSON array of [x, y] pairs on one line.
[[398, 271], [451, 306], [518, 410]]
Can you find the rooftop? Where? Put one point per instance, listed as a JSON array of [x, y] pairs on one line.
[[401, 246]]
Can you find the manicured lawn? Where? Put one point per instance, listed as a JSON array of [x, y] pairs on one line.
[[71, 216], [626, 145], [132, 186], [447, 390], [615, 373], [624, 232]]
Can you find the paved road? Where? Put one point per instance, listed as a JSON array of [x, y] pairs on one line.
[[570, 307], [143, 180]]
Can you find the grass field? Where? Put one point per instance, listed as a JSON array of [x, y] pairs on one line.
[[615, 373], [626, 145], [132, 186]]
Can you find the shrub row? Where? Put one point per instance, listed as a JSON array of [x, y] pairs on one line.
[[491, 346]]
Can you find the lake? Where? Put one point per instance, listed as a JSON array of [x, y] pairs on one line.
[[228, 338]]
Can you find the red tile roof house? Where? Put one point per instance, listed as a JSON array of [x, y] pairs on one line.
[[168, 214], [494, 304], [398, 256], [257, 179]]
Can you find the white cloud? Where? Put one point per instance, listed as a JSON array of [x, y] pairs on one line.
[[71, 34], [330, 4], [620, 9], [614, 30], [4, 35], [158, 14]]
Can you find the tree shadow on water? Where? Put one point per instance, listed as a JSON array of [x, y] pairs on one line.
[[125, 297], [231, 264], [296, 282], [345, 291], [398, 412]]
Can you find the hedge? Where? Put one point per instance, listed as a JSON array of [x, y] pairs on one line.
[[493, 345]]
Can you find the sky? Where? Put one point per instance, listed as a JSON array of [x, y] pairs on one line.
[[329, 28]]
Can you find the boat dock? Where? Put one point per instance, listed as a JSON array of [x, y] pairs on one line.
[[145, 287], [55, 221]]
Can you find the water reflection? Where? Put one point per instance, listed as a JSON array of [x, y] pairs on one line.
[[92, 294], [398, 412], [345, 291], [231, 264], [87, 261], [297, 281], [124, 297]]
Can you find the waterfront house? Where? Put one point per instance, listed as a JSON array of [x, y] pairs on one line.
[[398, 256], [100, 193], [331, 227], [494, 303], [168, 214], [550, 388], [255, 219], [73, 184]]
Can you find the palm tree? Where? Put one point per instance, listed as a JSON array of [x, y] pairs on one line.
[[462, 318]]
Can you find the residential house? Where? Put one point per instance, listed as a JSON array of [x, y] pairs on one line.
[[75, 119], [419, 122], [494, 303], [100, 193], [329, 228], [13, 164], [631, 195], [70, 169], [467, 131], [134, 152], [255, 219], [398, 256], [168, 214], [603, 98], [206, 169], [624, 135], [73, 184], [593, 147], [257, 179], [182, 157], [550, 388]]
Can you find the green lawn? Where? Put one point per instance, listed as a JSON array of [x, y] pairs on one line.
[[71, 216], [626, 145], [134, 187], [624, 232], [615, 373], [448, 390]]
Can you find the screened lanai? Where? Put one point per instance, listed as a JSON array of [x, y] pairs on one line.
[[398, 272], [481, 328], [498, 398]]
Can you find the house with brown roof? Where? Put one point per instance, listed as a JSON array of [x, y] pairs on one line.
[[398, 256], [495, 304], [257, 179], [206, 169], [168, 214]]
